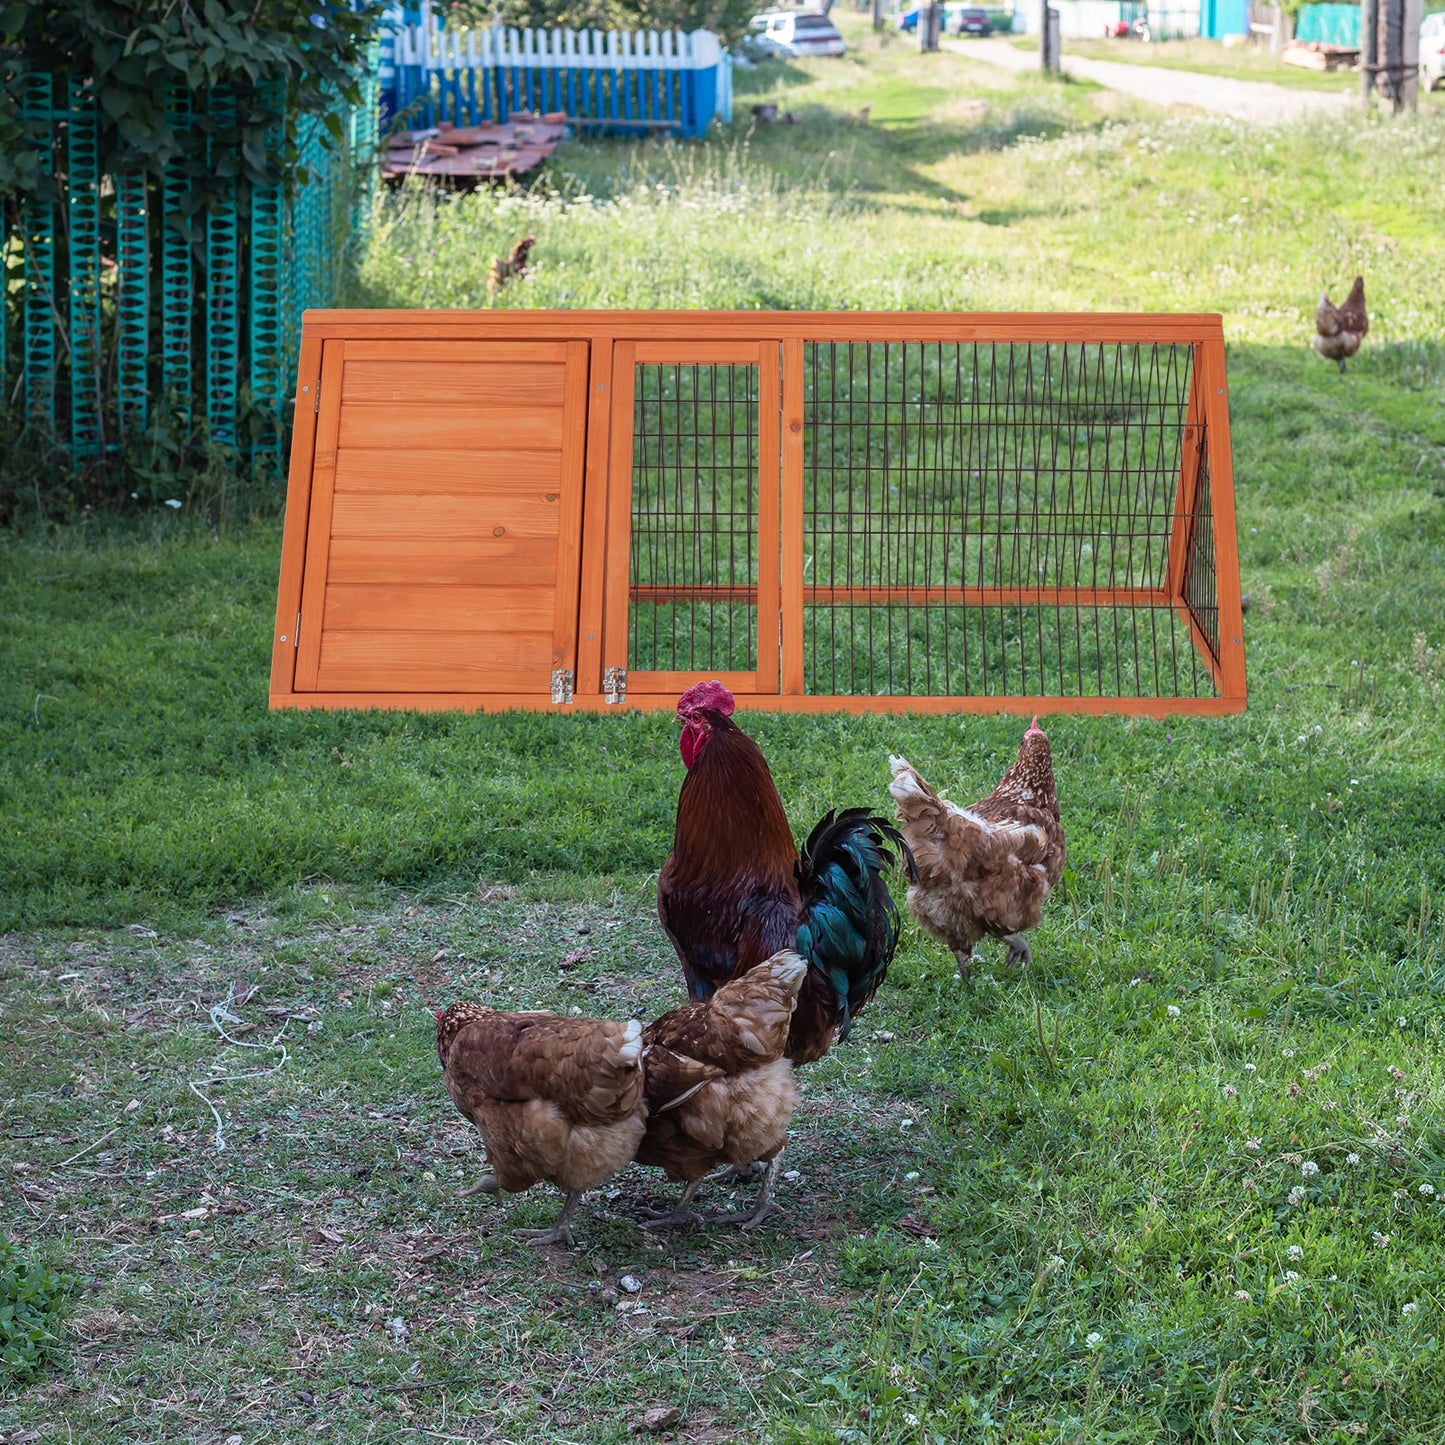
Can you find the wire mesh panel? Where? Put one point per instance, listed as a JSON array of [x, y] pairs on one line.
[[693, 578], [994, 519]]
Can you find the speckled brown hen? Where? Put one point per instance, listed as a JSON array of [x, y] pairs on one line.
[[553, 1098], [1340, 329], [985, 870], [719, 1090]]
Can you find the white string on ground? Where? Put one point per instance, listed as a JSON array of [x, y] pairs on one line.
[[220, 1016]]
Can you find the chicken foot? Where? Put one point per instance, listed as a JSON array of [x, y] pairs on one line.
[[487, 1184], [741, 1173], [681, 1213], [1018, 950], [561, 1230], [964, 958], [766, 1206]]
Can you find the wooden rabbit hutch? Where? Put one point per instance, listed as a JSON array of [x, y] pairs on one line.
[[828, 512]]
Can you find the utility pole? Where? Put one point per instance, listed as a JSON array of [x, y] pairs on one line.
[[930, 16], [1049, 59], [878, 14]]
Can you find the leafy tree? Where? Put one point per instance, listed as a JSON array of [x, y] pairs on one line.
[[727, 18], [281, 60]]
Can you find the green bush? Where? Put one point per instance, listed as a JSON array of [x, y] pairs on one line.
[[30, 1299]]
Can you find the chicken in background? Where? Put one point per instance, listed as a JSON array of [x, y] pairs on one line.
[[1340, 329], [719, 1090], [985, 870], [515, 265], [734, 891], [553, 1098]]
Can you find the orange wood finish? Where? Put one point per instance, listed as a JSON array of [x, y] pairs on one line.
[[458, 518]]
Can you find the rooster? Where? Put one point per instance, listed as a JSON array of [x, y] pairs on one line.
[[719, 1090], [515, 265], [553, 1098], [734, 891], [1340, 329], [988, 869]]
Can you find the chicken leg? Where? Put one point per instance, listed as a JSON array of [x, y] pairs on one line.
[[681, 1213], [964, 958], [487, 1184], [766, 1206], [561, 1230]]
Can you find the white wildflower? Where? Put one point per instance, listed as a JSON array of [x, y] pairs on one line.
[[911, 1176], [1295, 1252], [1230, 1092], [1242, 1295], [1410, 1308], [1250, 1068], [1094, 1339], [1056, 1261], [1427, 1189], [1352, 1157], [1296, 1196], [1291, 1275], [1253, 1145], [1309, 1168], [1173, 1010], [1287, 1053], [1382, 1241]]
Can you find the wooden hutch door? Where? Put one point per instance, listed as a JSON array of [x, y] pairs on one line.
[[692, 528], [443, 542]]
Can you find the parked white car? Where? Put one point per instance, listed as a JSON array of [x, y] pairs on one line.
[[796, 32], [1432, 50]]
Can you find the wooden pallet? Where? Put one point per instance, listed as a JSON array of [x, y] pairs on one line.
[[493, 510]]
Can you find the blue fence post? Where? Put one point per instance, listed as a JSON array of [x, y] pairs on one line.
[[82, 185], [37, 228]]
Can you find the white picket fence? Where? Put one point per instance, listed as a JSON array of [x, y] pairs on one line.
[[619, 79]]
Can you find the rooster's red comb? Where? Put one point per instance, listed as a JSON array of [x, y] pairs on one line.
[[712, 696]]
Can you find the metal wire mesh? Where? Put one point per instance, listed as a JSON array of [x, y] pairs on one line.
[[994, 520], [694, 566]]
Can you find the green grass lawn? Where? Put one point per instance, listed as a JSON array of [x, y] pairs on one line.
[[1172, 1184]]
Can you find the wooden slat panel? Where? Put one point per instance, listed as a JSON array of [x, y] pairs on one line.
[[452, 427], [769, 461], [298, 511], [318, 532], [422, 383], [920, 596], [569, 522], [435, 661], [492, 350], [382, 608], [367, 514], [698, 350], [509, 561], [531, 693], [792, 526], [464, 472], [1226, 534], [655, 326], [594, 521], [619, 507]]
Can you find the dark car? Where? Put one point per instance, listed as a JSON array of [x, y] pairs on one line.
[[969, 22]]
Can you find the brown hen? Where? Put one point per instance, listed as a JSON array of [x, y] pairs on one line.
[[553, 1098], [719, 1090], [985, 870], [1340, 329]]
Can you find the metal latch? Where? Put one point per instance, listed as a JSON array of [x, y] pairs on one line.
[[614, 684], [562, 685]]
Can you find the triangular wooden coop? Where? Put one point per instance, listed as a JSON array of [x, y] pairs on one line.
[[846, 512]]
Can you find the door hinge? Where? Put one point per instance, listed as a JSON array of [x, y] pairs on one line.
[[317, 404], [562, 685], [614, 684], [296, 635]]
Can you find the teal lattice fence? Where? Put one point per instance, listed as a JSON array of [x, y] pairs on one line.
[[128, 308]]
